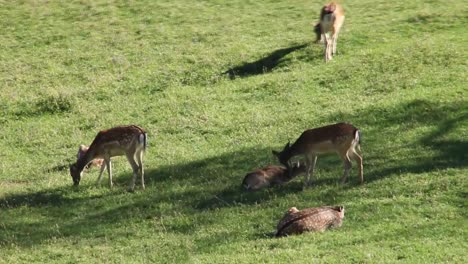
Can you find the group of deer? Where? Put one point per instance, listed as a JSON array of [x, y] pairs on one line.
[[341, 138], [130, 141]]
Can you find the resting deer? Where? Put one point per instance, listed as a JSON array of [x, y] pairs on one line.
[[118, 141], [341, 138], [331, 19], [271, 175], [96, 162], [310, 219]]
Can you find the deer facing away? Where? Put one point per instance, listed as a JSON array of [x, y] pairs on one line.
[[331, 19], [271, 175], [341, 138], [118, 141]]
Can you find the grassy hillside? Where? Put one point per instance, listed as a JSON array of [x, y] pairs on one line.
[[218, 85]]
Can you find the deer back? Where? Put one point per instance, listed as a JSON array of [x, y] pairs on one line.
[[310, 219]]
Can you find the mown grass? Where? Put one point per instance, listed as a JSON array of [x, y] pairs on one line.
[[218, 85]]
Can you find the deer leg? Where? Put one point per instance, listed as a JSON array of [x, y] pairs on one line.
[[358, 159], [335, 38], [103, 166], [310, 164], [109, 171], [347, 166], [336, 30], [328, 47], [139, 158], [135, 169]]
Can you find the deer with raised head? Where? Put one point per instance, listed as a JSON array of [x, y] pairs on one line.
[[271, 175], [341, 138], [331, 19], [118, 141]]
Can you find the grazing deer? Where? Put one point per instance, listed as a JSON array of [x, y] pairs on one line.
[[96, 162], [118, 141], [310, 219], [331, 19], [341, 138], [271, 175]]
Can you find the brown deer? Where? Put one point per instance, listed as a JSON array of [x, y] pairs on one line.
[[271, 175], [341, 138], [96, 162], [310, 219], [331, 19], [118, 141]]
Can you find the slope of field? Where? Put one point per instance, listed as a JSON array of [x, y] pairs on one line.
[[218, 85]]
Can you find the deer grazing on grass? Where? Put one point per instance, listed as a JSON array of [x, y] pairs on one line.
[[341, 138], [271, 175], [118, 141], [96, 162], [331, 19]]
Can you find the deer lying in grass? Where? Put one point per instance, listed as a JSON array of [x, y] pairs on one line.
[[118, 141], [96, 162], [271, 175], [341, 138], [331, 19], [310, 219]]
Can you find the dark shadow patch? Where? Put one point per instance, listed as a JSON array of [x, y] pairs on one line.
[[263, 65], [445, 118]]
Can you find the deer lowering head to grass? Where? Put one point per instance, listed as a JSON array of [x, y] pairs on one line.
[[341, 138], [118, 141], [96, 162], [331, 19], [271, 175]]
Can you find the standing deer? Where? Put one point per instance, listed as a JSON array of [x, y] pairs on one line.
[[331, 19], [118, 141], [341, 138]]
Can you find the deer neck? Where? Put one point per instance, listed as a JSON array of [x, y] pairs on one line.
[[85, 159]]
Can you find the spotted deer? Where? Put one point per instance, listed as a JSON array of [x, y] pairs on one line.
[[331, 19], [342, 138], [271, 175], [118, 141], [96, 162], [316, 219]]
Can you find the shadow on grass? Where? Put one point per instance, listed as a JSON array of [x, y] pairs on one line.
[[263, 65], [184, 192], [444, 120]]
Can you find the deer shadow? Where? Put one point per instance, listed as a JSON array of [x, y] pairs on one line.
[[444, 118], [263, 65]]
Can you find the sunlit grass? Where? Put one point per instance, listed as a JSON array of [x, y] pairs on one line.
[[218, 85]]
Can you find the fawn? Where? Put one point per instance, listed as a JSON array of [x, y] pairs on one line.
[[271, 175], [118, 141], [341, 138], [310, 219]]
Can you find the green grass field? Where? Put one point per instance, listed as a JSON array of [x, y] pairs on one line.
[[218, 85]]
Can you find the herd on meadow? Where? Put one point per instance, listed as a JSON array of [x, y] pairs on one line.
[[341, 138]]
